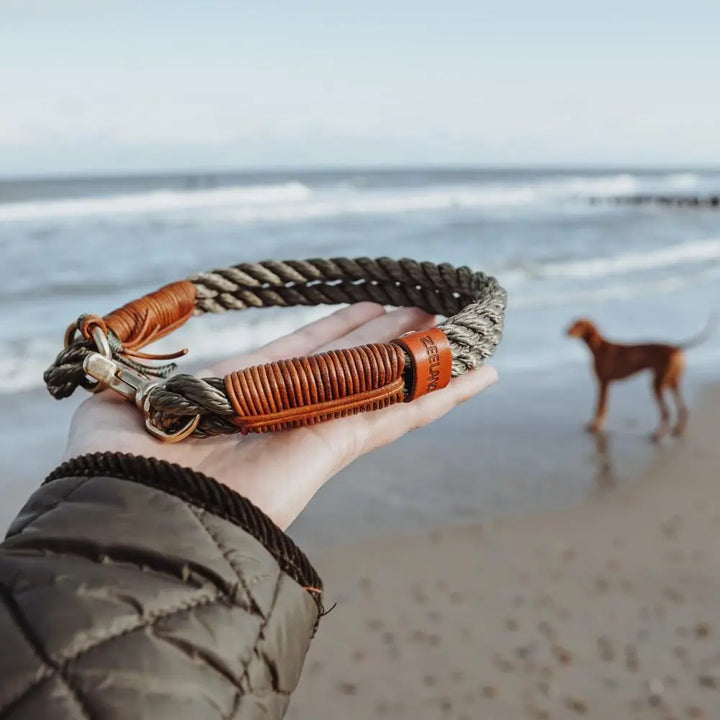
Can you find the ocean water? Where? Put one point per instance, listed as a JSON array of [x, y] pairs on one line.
[[74, 246], [89, 245]]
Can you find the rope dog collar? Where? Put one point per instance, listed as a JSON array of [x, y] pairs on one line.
[[105, 351]]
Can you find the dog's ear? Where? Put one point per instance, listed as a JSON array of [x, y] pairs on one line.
[[582, 328], [577, 329]]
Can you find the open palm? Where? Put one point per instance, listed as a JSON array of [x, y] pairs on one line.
[[281, 471]]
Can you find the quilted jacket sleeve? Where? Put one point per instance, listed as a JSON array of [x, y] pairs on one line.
[[133, 588]]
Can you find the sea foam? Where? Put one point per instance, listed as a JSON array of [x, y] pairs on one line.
[[293, 200], [154, 201], [682, 253]]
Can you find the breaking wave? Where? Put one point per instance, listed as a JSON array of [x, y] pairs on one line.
[[155, 201], [294, 200], [683, 253]]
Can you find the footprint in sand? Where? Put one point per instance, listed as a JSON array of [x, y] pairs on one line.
[[576, 705], [502, 664], [547, 630], [365, 584], [711, 682], [702, 630], [601, 585], [562, 655], [419, 595], [632, 661]]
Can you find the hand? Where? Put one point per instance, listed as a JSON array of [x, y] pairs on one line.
[[280, 472]]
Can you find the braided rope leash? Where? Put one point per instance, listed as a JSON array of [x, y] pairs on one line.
[[105, 352]]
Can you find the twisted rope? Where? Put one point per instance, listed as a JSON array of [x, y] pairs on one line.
[[474, 304]]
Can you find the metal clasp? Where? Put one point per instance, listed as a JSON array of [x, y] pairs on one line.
[[135, 388], [117, 376]]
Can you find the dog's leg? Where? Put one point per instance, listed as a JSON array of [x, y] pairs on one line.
[[658, 388], [596, 423], [676, 372], [682, 410]]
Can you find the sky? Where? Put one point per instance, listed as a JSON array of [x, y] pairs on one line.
[[93, 86]]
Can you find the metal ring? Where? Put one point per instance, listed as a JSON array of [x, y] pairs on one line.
[[177, 436], [103, 346], [70, 333], [101, 341]]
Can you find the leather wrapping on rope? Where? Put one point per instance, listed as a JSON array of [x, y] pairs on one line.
[[307, 390]]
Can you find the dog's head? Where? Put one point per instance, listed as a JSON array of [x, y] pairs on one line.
[[582, 328]]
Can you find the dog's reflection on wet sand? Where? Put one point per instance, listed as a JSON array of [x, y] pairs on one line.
[[605, 477]]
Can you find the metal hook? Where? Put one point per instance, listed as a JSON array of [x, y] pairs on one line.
[[135, 388]]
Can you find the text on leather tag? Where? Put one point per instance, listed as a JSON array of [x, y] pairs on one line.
[[431, 358]]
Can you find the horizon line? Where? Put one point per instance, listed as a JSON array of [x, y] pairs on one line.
[[110, 174]]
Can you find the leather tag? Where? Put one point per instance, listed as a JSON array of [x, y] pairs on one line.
[[431, 358]]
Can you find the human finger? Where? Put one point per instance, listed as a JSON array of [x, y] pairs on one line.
[[391, 424], [320, 451], [357, 435], [383, 328], [306, 340]]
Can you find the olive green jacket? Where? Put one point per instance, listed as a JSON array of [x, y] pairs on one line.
[[133, 588]]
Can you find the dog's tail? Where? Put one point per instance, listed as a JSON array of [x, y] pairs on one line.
[[702, 337]]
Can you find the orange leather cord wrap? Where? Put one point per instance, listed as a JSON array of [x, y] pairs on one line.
[[431, 358], [148, 318], [307, 390]]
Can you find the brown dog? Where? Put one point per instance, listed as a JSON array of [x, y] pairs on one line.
[[613, 361]]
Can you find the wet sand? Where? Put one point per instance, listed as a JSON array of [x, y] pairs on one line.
[[607, 609], [516, 449]]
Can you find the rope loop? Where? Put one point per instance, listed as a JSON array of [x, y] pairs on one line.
[[300, 390]]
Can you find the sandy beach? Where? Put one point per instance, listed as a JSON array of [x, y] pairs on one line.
[[605, 609], [522, 570]]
